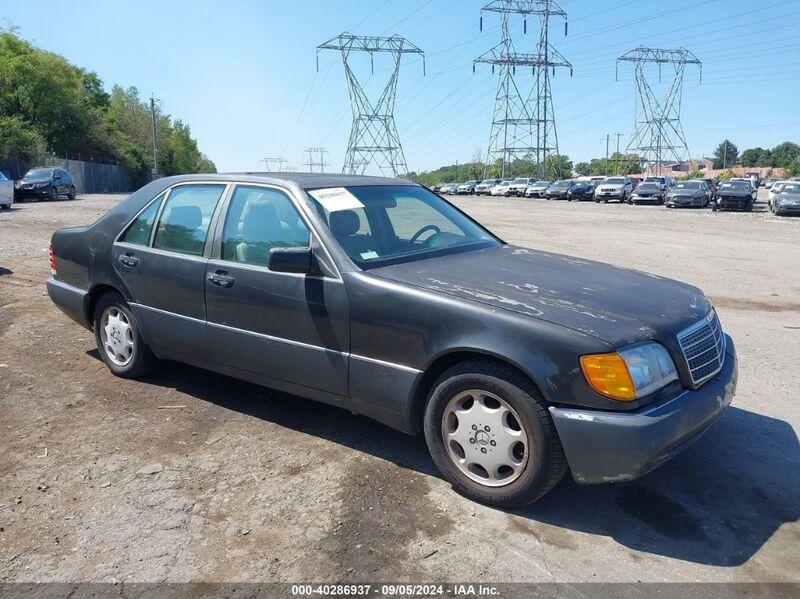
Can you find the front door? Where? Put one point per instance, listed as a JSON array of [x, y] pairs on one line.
[[161, 258], [287, 327]]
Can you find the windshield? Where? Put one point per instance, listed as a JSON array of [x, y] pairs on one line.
[[648, 187], [488, 181], [561, 184], [542, 184], [693, 185], [379, 225], [39, 173], [654, 180], [736, 185], [520, 180], [794, 188], [614, 181]]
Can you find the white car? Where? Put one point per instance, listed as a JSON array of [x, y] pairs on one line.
[[537, 189], [6, 192], [485, 186], [467, 188], [501, 189], [518, 186], [614, 188]]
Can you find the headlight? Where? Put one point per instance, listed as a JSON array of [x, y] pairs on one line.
[[630, 373], [39, 185]]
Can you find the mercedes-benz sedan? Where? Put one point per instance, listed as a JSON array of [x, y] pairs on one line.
[[378, 296]]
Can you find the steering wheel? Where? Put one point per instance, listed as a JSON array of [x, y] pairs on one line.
[[433, 228]]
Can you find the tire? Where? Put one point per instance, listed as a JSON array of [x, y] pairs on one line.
[[5, 206], [52, 194], [71, 194], [542, 463], [141, 360]]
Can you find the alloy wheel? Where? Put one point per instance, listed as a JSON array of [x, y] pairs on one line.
[[116, 334]]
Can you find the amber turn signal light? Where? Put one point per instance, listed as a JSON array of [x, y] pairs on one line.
[[608, 375]]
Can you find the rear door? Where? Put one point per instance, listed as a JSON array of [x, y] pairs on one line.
[[161, 258], [286, 326]]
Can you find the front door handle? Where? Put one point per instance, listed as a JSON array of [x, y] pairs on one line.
[[221, 279], [128, 259]]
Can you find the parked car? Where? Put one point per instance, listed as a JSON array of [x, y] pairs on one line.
[[45, 183], [449, 189], [788, 200], [769, 182], [666, 182], [581, 190], [6, 192], [755, 178], [537, 190], [614, 188], [648, 193], [467, 188], [380, 297], [518, 186], [558, 190], [485, 186], [687, 194], [737, 195], [775, 190], [501, 189], [437, 188]]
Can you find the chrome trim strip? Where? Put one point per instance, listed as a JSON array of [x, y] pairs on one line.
[[281, 339], [384, 363]]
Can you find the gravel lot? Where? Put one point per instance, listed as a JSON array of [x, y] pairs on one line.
[[190, 475]]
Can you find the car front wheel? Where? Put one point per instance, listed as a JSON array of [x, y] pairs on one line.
[[71, 194], [490, 435], [118, 339]]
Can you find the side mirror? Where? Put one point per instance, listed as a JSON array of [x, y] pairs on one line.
[[297, 260]]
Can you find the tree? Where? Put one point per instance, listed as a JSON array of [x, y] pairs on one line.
[[18, 141], [783, 155], [582, 168], [756, 157], [725, 155]]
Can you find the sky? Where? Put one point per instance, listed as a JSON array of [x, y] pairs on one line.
[[243, 74]]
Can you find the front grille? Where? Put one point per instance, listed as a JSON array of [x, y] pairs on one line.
[[703, 346]]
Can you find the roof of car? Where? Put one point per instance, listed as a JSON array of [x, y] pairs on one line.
[[316, 180]]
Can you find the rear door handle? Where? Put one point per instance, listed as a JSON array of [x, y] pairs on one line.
[[129, 260], [221, 279]]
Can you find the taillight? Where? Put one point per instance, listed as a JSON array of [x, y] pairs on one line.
[[52, 261]]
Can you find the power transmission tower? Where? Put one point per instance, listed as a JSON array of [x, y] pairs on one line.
[[523, 125], [658, 134], [268, 162], [373, 136], [319, 163]]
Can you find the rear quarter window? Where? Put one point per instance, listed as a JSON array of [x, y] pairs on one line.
[[138, 232]]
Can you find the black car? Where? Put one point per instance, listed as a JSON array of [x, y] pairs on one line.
[[45, 183], [648, 193], [378, 296], [581, 190], [788, 200], [558, 190], [735, 195], [688, 194]]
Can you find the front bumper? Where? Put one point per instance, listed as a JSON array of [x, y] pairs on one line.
[[679, 202], [556, 196], [581, 195], [785, 208], [39, 194], [606, 447], [653, 199], [609, 195]]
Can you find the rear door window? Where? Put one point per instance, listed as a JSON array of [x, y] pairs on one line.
[[259, 219], [138, 232], [184, 221]]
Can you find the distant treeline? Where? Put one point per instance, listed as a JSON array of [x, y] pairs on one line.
[[48, 105]]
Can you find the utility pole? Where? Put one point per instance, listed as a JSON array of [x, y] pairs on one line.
[[373, 136], [319, 163], [616, 156], [658, 132], [281, 162], [155, 150], [607, 136], [523, 125]]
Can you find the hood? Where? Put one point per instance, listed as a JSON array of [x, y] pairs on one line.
[[686, 193], [618, 305], [733, 192]]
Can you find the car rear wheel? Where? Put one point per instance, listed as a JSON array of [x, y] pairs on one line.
[[490, 435], [118, 339]]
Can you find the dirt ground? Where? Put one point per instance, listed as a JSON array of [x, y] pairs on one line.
[[190, 475]]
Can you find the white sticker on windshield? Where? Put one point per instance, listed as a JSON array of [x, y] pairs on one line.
[[369, 255], [334, 199]]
